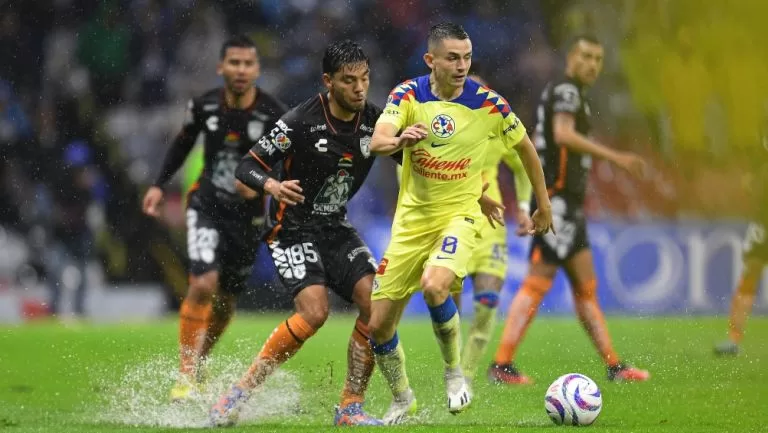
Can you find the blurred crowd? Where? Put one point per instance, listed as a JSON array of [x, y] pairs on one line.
[[92, 92]]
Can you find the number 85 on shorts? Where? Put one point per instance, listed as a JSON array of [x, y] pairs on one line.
[[291, 262]]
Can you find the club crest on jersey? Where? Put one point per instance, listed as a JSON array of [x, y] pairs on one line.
[[443, 126], [365, 146], [255, 129]]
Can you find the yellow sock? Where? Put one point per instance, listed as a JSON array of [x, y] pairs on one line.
[[480, 331], [390, 358]]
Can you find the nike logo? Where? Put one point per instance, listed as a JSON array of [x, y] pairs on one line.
[[444, 258], [439, 144]]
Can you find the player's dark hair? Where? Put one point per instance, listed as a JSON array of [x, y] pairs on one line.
[[342, 53], [583, 37], [237, 41], [442, 31]]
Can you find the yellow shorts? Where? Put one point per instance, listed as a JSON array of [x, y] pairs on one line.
[[448, 245], [490, 255]]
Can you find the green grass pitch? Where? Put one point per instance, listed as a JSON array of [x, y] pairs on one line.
[[115, 378]]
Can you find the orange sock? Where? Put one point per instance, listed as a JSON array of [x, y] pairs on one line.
[[193, 323], [521, 312], [591, 317], [281, 345], [360, 362], [741, 306]]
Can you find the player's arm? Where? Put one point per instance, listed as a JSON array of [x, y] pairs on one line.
[[254, 174], [514, 136], [174, 158], [523, 187], [393, 120], [566, 103]]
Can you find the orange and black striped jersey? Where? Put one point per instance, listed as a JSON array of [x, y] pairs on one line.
[[566, 172], [329, 157], [228, 134]]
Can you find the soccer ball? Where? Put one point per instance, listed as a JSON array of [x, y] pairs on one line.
[[573, 399]]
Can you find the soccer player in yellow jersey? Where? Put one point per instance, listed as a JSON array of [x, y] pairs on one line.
[[488, 266], [445, 123]]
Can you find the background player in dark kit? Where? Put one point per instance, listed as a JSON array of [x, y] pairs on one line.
[[222, 227], [323, 145], [562, 140]]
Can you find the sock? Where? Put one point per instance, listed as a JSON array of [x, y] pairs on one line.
[[521, 312], [281, 345], [193, 322], [591, 317], [390, 358], [360, 362], [447, 327], [480, 331], [741, 306]]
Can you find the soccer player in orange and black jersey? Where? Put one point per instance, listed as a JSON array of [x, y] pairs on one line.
[[323, 146], [562, 140], [222, 228]]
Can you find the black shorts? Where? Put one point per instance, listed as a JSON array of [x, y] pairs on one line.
[[224, 244], [571, 227], [756, 243], [334, 257]]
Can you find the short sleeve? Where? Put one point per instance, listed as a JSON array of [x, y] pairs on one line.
[[399, 105], [566, 98]]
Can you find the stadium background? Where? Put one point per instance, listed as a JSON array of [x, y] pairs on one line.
[[102, 85]]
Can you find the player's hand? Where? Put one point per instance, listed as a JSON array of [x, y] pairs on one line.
[[492, 209], [152, 201], [412, 135], [632, 163], [524, 223], [287, 191], [542, 220]]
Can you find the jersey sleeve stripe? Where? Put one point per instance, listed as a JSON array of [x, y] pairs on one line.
[[281, 210], [263, 164]]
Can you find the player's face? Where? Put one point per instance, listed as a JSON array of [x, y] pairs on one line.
[[348, 86], [240, 68], [587, 61], [450, 61]]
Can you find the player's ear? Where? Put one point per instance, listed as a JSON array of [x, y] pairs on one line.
[[429, 59], [327, 81]]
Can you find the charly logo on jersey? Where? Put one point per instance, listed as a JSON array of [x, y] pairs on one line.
[[443, 126], [334, 193], [365, 146]]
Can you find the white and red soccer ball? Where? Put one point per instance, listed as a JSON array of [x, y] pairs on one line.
[[573, 399]]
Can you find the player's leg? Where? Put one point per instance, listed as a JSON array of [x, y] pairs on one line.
[[486, 300], [443, 275], [194, 319], [390, 356], [311, 305], [204, 251], [303, 274], [543, 266], [488, 269], [350, 269], [581, 274], [221, 316], [741, 305]]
